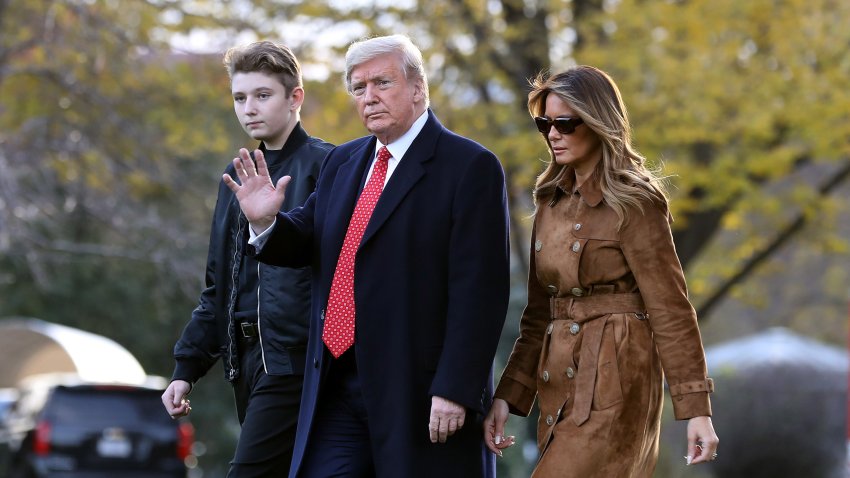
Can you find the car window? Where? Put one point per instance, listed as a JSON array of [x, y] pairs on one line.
[[96, 407]]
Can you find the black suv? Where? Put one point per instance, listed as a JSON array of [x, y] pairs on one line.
[[96, 431]]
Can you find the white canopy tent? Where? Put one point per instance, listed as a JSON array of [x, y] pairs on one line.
[[31, 346]]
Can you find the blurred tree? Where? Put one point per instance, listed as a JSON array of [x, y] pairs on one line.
[[96, 117], [733, 96]]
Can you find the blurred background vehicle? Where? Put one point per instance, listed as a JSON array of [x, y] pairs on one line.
[[61, 426], [8, 396], [77, 404]]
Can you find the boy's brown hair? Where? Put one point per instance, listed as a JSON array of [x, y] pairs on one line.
[[267, 57]]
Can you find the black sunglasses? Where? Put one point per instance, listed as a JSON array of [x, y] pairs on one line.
[[564, 125]]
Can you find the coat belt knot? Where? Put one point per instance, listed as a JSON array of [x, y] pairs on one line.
[[591, 313]]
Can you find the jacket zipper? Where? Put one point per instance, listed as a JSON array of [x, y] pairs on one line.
[[234, 273], [259, 327]]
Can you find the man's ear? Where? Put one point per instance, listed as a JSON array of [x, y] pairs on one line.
[[419, 92], [297, 96]]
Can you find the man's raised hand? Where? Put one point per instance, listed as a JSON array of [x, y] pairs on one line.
[[259, 199]]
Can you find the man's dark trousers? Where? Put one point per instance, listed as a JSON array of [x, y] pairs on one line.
[[340, 446]]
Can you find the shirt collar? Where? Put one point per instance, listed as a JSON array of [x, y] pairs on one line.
[[589, 191], [400, 146]]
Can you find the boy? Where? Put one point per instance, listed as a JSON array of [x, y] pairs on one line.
[[251, 315]]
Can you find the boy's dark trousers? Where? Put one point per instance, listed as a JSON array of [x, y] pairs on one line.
[[267, 406]]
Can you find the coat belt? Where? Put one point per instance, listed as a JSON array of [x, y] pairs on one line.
[[592, 312]]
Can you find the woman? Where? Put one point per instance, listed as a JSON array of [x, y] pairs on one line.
[[607, 300]]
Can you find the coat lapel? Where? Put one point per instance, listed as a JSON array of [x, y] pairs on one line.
[[405, 176], [344, 193]]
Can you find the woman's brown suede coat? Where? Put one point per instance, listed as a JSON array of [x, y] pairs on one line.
[[606, 309]]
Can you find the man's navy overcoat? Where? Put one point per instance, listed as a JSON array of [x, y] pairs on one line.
[[431, 294]]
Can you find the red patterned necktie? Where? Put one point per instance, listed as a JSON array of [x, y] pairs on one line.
[[338, 333]]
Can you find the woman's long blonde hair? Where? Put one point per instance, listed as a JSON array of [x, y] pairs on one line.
[[624, 179]]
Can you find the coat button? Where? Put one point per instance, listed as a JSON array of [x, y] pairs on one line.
[[576, 246], [549, 328], [570, 372], [577, 227], [577, 291], [538, 245], [552, 290], [545, 375], [575, 328], [315, 363], [550, 420]]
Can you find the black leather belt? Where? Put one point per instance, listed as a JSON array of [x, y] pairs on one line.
[[249, 330]]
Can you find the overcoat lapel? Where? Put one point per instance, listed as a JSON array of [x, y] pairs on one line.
[[344, 194], [406, 175]]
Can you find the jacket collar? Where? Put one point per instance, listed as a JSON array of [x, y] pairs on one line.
[[296, 138], [589, 191]]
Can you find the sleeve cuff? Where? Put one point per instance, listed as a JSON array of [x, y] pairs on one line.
[[706, 385], [519, 397], [690, 399], [187, 371], [257, 240]]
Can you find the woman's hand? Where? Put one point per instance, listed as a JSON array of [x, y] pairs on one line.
[[702, 441], [494, 427]]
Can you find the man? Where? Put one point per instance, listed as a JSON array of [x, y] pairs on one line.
[[418, 262], [251, 315]]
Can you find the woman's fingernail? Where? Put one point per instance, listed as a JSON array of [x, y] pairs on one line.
[[498, 439], [688, 460]]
